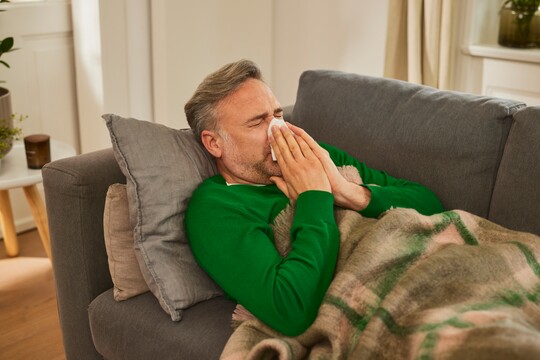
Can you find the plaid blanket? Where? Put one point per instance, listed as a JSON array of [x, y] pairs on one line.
[[408, 286]]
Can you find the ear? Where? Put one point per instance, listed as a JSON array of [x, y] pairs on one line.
[[212, 142]]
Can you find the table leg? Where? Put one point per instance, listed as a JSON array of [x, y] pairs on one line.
[[40, 215], [8, 226]]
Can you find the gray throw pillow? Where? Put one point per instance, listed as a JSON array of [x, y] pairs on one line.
[[163, 166]]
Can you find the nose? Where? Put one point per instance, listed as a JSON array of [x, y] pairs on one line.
[[275, 122]]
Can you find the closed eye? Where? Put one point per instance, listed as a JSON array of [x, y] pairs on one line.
[[278, 113], [255, 123]]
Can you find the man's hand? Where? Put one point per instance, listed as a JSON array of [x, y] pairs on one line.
[[301, 168], [346, 194]]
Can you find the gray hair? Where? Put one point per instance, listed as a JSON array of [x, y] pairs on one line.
[[201, 108]]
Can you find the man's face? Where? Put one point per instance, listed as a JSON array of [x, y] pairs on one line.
[[243, 119]]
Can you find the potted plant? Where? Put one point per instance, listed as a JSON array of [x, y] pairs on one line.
[[8, 132], [516, 17]]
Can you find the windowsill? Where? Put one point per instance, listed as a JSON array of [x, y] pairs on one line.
[[502, 53]]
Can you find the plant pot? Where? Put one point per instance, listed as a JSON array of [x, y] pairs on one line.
[[6, 121], [517, 26]]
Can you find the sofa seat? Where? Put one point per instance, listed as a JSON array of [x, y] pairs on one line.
[[202, 333]]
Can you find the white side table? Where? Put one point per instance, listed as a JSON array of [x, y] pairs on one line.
[[14, 173]]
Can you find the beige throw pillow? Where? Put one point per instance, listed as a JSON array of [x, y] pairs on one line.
[[125, 272]]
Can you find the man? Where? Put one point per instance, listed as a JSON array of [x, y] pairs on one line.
[[229, 216]]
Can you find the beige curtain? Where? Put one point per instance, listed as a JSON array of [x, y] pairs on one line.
[[419, 41]]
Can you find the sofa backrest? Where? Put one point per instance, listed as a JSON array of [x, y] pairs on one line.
[[451, 142], [516, 197]]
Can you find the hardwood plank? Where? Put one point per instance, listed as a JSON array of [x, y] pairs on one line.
[[28, 311]]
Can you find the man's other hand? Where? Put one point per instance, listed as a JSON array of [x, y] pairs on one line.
[[301, 168], [346, 194]]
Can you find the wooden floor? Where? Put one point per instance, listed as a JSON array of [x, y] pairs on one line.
[[29, 327]]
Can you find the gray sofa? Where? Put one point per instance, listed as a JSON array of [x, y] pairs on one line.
[[479, 154]]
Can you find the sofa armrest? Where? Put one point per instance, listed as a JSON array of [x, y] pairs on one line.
[[75, 191]]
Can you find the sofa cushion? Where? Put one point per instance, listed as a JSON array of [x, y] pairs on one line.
[[125, 272], [162, 167], [516, 199], [450, 142], [139, 329]]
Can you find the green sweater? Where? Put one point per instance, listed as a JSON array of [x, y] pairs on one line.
[[231, 238]]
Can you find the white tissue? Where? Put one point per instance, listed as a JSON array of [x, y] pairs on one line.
[[278, 123]]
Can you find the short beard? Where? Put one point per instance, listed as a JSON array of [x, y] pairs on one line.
[[264, 172], [260, 172]]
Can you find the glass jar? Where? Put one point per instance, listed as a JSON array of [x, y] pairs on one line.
[[518, 26], [535, 28]]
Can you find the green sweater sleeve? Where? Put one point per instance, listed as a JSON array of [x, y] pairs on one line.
[[236, 249], [386, 191]]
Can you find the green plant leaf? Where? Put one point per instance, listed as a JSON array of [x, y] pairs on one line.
[[10, 133], [4, 63], [520, 4], [6, 44]]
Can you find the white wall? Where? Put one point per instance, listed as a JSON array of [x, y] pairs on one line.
[[347, 35], [191, 38], [113, 65], [144, 58], [41, 78], [478, 24], [483, 21]]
